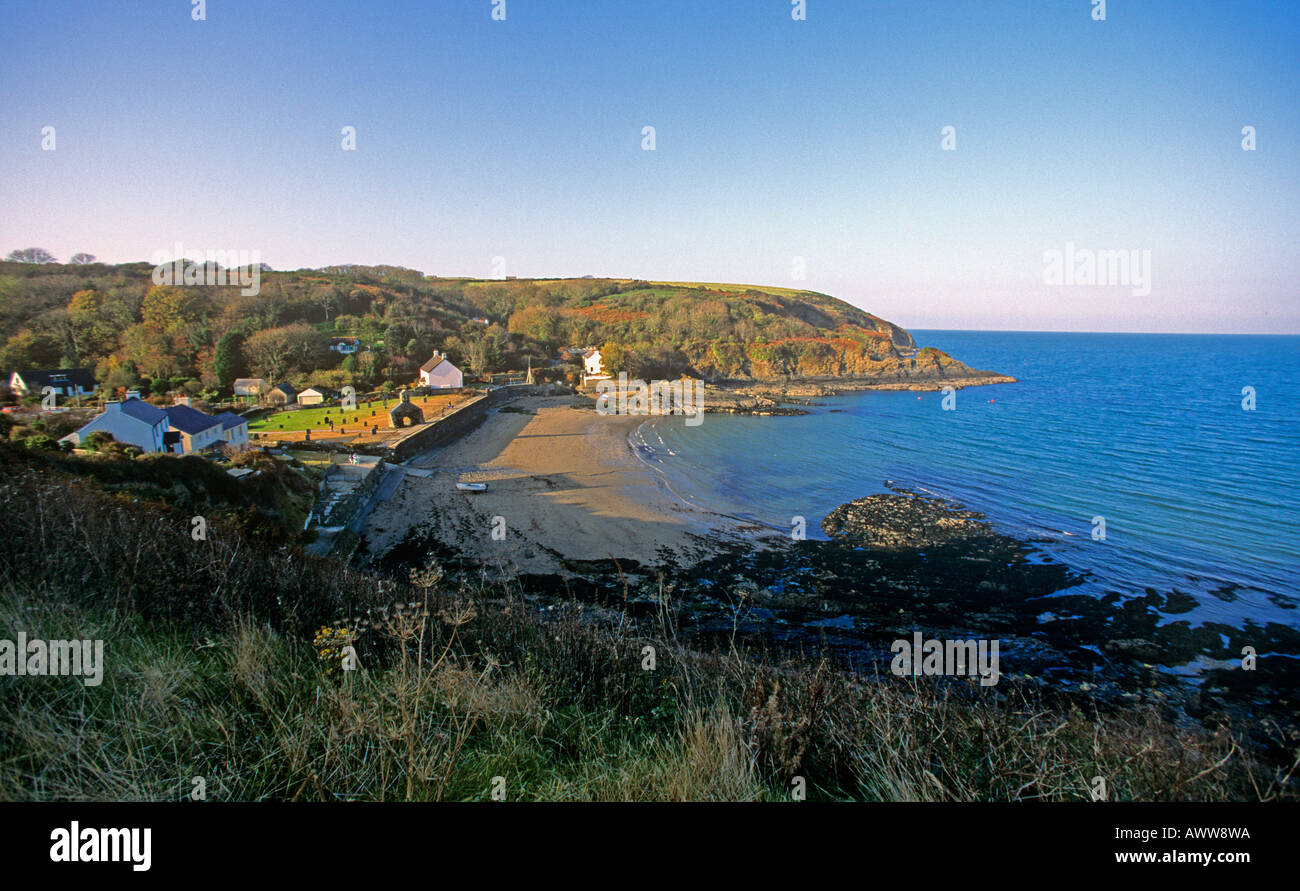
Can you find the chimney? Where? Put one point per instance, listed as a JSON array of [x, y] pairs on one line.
[[182, 400]]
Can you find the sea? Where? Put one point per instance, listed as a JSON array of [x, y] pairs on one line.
[[1140, 461]]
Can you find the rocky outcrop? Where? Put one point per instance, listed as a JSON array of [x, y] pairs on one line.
[[905, 520]]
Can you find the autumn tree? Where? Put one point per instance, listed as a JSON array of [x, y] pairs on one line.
[[93, 332], [537, 323], [172, 310], [31, 349], [613, 357]]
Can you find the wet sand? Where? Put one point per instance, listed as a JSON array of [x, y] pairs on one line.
[[563, 484]]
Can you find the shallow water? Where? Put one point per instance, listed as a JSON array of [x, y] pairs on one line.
[[1146, 431]]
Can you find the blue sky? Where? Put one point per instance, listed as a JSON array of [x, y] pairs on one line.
[[775, 139]]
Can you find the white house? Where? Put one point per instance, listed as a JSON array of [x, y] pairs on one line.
[[65, 381], [593, 367], [134, 422], [234, 429], [345, 345], [439, 374], [316, 396]]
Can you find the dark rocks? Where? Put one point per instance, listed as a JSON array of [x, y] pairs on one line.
[[1134, 648], [906, 520]]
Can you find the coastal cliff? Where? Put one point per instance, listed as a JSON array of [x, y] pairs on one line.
[[370, 327]]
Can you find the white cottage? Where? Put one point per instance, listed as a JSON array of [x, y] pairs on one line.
[[439, 374]]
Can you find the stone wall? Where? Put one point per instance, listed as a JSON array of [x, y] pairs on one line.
[[364, 480], [462, 420]]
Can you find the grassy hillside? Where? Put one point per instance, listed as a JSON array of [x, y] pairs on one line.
[[198, 338]]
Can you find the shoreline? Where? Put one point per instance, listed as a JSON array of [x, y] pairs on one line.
[[581, 515], [565, 487]]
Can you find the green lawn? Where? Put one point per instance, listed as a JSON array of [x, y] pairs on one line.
[[314, 418]]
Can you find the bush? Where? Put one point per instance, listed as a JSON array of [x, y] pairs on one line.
[[42, 442], [97, 441]]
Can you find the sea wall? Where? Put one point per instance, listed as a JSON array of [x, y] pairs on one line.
[[461, 421]]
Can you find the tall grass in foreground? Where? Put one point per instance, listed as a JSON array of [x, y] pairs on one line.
[[449, 698], [212, 673]]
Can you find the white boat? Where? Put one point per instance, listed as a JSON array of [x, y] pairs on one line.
[[472, 487]]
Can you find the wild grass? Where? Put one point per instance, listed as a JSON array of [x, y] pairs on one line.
[[213, 682], [455, 700]]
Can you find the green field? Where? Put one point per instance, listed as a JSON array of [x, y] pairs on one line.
[[739, 289], [314, 418]]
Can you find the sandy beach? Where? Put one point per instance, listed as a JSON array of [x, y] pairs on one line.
[[563, 482]]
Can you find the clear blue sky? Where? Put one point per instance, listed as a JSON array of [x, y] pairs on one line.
[[775, 139]]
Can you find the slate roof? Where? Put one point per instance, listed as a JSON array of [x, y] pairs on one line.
[[143, 411], [37, 378], [229, 419], [189, 420]]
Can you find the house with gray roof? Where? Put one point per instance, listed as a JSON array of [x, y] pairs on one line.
[[234, 429], [198, 430], [134, 422]]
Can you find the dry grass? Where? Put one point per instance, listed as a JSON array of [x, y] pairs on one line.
[[212, 673], [437, 709]]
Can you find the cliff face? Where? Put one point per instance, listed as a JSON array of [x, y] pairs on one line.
[[889, 355]]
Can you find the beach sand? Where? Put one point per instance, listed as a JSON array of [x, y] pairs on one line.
[[564, 482]]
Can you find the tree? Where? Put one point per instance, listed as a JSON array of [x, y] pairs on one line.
[[92, 331], [537, 323], [229, 362], [31, 255], [477, 353], [83, 259], [123, 376], [153, 351], [31, 349], [175, 310], [614, 357], [276, 351]]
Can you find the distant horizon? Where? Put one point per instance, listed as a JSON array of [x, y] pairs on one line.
[[918, 161], [752, 284]]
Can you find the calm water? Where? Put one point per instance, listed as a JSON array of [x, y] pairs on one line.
[[1147, 431]]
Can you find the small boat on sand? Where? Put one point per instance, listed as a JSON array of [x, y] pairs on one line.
[[472, 487]]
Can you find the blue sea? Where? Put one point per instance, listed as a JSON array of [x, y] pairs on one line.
[[1198, 494]]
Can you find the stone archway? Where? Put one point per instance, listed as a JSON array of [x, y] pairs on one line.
[[405, 413]]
